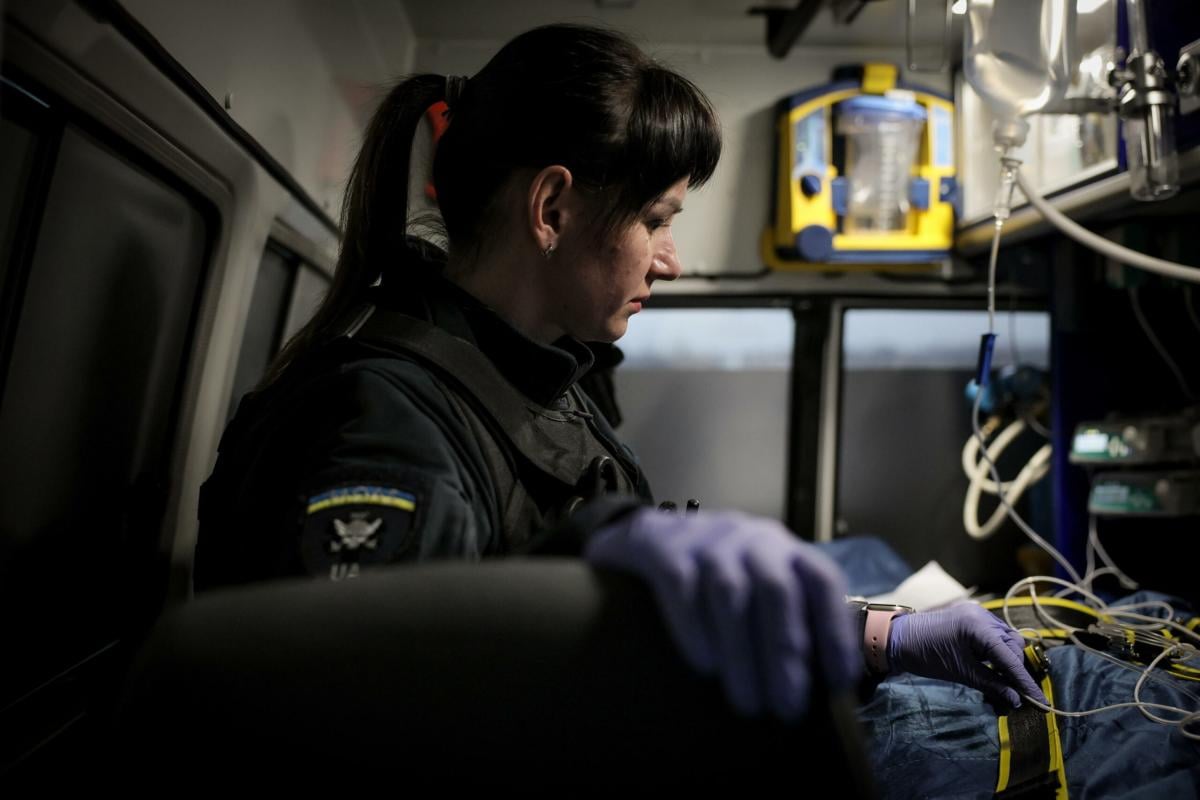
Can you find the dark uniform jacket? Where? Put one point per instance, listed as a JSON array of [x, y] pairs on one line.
[[432, 430]]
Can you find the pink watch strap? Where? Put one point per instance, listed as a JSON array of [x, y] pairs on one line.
[[875, 637]]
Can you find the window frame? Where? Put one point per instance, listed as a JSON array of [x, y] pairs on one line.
[[52, 114], [833, 376], [37, 115]]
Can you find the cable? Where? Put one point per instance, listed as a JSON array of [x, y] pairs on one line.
[[1034, 470], [1030, 419], [1189, 304], [1012, 512], [976, 471], [970, 464], [1161, 679], [1098, 605], [1103, 246], [1169, 623], [1158, 345], [1095, 546], [1101, 608], [1187, 718], [1090, 575], [991, 284], [1012, 323], [1008, 177], [1163, 604], [1046, 615], [1186, 652]]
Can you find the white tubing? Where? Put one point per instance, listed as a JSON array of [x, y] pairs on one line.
[[1033, 471], [1008, 507], [970, 463], [1103, 246]]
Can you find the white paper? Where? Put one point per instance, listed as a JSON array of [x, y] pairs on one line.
[[929, 587]]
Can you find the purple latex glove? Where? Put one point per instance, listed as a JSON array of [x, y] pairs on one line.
[[953, 643], [743, 598]]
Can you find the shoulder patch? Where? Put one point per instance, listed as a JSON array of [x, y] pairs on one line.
[[348, 528], [362, 495]]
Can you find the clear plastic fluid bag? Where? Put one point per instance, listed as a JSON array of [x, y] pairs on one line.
[[1017, 54]]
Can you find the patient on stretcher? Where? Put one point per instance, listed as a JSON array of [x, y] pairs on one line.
[[932, 738]]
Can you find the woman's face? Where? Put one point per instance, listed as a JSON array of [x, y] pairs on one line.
[[602, 287]]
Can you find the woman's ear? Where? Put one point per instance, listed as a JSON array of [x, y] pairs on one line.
[[551, 206]]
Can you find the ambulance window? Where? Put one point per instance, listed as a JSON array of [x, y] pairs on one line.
[[704, 393], [286, 293], [90, 401], [311, 286], [264, 326], [903, 419]]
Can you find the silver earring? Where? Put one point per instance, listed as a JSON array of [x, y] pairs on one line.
[[549, 249]]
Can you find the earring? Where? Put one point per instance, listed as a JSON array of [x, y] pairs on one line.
[[549, 249]]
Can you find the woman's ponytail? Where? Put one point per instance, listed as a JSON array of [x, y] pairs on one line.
[[374, 213]]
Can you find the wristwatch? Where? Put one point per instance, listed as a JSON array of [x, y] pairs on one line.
[[874, 622]]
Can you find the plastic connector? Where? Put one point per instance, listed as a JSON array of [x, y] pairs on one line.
[[983, 368]]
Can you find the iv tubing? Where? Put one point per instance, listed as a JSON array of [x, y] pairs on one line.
[[1008, 507], [1103, 246], [970, 451], [976, 471]]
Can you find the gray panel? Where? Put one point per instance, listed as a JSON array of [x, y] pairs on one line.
[[89, 401], [704, 393], [717, 435]]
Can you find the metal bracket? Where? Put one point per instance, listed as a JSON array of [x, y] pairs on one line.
[[947, 23], [785, 25]]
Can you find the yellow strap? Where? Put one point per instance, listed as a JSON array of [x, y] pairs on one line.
[[1005, 755], [1025, 601], [1057, 763]]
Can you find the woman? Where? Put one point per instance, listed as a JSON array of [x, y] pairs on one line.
[[431, 409]]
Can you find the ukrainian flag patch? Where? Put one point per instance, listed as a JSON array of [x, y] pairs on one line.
[[348, 528], [362, 495]]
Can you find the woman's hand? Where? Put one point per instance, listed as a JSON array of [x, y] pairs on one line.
[[957, 644], [743, 598]]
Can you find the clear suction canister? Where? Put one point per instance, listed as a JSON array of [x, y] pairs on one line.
[[882, 138]]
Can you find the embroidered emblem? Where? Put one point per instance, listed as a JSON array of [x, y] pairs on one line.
[[355, 533], [349, 528]]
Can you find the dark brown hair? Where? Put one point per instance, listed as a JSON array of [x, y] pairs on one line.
[[626, 127]]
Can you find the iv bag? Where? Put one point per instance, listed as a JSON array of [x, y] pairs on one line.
[[1018, 54]]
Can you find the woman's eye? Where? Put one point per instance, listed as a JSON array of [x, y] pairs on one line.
[[655, 224]]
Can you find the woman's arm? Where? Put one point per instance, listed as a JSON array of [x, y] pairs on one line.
[[363, 465]]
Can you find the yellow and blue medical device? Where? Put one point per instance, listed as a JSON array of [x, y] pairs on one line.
[[866, 175]]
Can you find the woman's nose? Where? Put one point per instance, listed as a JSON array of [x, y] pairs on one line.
[[667, 265]]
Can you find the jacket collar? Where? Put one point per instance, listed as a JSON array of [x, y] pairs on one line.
[[543, 373]]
